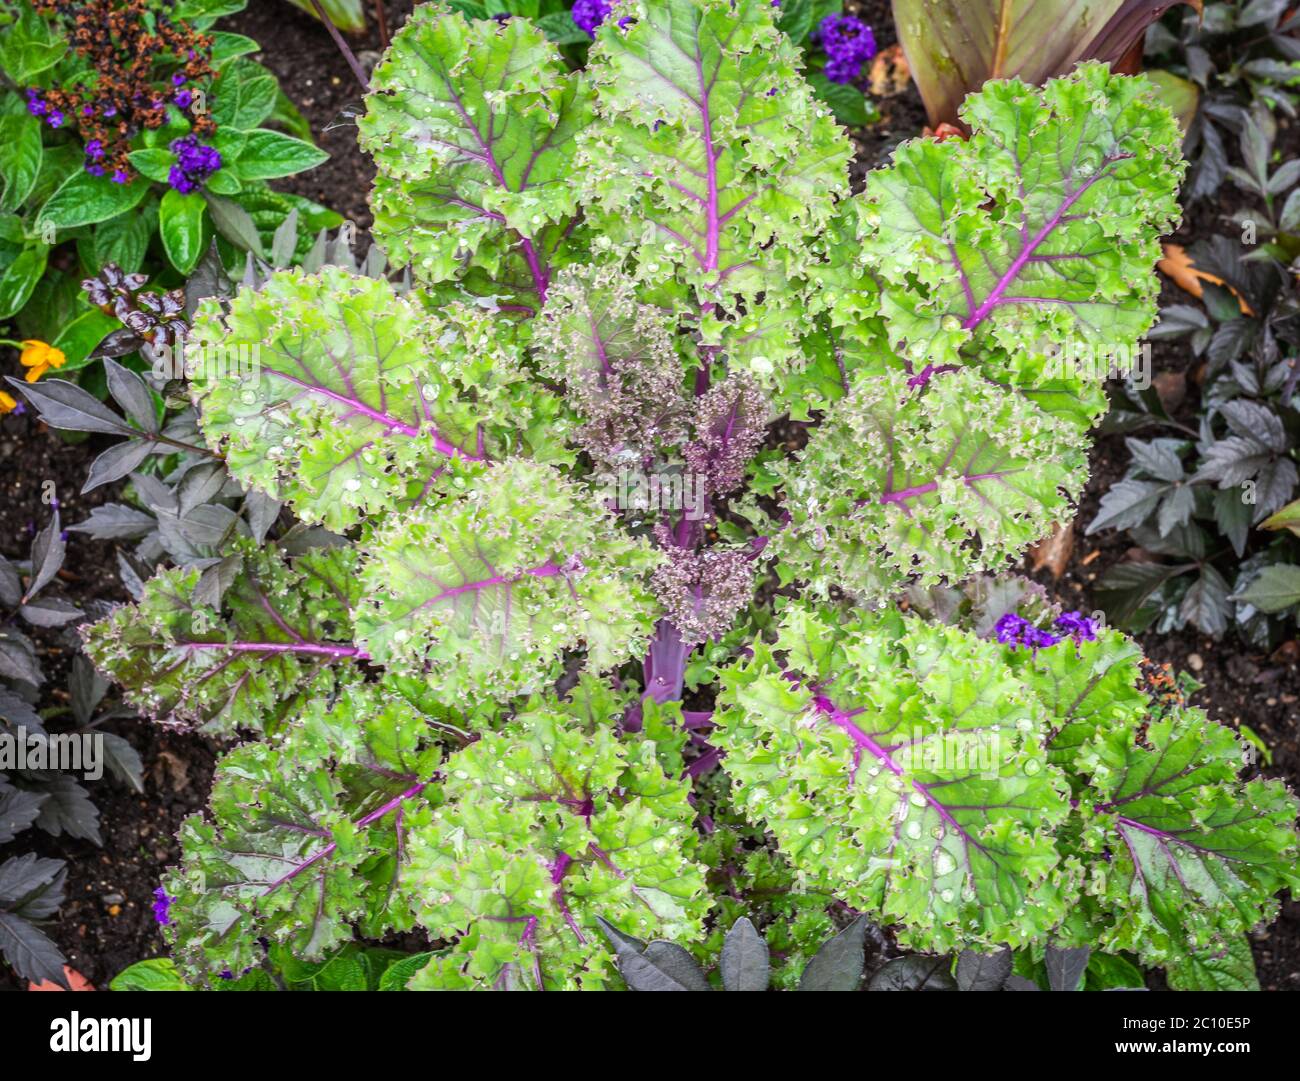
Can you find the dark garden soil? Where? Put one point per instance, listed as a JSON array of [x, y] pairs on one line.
[[107, 922]]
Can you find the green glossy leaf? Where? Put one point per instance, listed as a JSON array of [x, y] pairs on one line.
[[158, 974], [29, 45], [227, 46], [153, 162], [20, 158], [80, 336], [851, 106], [243, 95], [20, 278], [180, 221], [269, 154], [83, 199], [123, 240]]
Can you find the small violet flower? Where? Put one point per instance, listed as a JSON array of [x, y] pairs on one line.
[[848, 43], [194, 164], [162, 904], [1016, 631], [589, 14], [1078, 626]]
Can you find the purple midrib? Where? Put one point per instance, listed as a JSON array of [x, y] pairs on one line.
[[440, 444], [904, 494], [844, 722], [314, 648], [541, 277], [712, 224], [361, 823], [546, 570], [1022, 259], [1166, 836]]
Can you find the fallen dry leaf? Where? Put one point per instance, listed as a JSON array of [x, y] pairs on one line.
[[1179, 268], [1287, 653], [1171, 389], [171, 769], [1054, 552], [890, 74], [76, 982]]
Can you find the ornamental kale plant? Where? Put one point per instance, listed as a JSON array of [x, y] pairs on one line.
[[132, 135], [564, 645]]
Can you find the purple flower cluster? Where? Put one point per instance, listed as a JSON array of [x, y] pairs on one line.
[[38, 106], [161, 906], [184, 97], [589, 14], [1078, 626], [194, 164], [95, 157], [1016, 631], [848, 43]]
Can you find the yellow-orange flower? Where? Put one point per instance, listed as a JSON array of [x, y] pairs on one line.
[[8, 403], [39, 358]]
